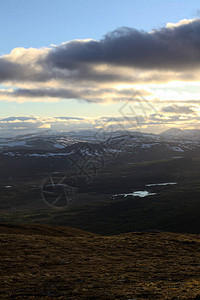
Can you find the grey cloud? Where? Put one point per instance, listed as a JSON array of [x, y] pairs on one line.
[[166, 48], [92, 95], [41, 72], [11, 119], [10, 70], [176, 49], [53, 93], [69, 118], [165, 119], [175, 109]]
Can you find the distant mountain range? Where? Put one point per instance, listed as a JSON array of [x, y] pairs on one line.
[[171, 143]]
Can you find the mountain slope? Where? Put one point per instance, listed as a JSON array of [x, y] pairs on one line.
[[127, 266]]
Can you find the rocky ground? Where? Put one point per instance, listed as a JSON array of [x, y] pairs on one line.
[[47, 262]]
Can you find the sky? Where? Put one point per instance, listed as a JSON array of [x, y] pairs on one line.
[[71, 65]]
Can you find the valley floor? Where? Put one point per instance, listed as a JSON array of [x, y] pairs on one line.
[[47, 262]]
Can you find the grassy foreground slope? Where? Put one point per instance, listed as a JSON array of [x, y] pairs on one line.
[[47, 262]]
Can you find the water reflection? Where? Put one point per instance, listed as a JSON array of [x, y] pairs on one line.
[[161, 184], [136, 194]]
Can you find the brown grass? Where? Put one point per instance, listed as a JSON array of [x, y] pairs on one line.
[[46, 262]]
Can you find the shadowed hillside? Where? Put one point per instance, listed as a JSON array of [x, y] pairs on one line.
[[47, 262]]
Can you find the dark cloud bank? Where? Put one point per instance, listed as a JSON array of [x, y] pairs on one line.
[[175, 48], [167, 48], [77, 65]]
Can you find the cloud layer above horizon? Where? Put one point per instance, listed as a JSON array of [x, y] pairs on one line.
[[125, 65]]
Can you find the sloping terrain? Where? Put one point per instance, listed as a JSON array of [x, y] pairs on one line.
[[50, 144], [46, 262], [101, 207]]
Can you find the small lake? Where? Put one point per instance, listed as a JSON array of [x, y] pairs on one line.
[[145, 193], [140, 194], [161, 184]]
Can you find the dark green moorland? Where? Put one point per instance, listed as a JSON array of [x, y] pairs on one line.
[[174, 208]]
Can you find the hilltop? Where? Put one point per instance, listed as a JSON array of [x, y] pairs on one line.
[[47, 262]]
